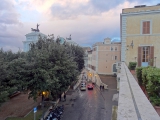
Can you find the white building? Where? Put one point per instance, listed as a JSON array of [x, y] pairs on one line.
[[32, 38], [86, 49]]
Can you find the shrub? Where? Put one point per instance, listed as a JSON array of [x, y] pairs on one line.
[[151, 80], [139, 75], [132, 65], [155, 100], [144, 75]]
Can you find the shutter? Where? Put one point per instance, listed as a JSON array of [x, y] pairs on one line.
[[151, 55], [148, 27], [144, 27], [139, 56]]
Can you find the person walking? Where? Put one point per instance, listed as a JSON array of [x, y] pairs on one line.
[[100, 87], [103, 87], [64, 96]]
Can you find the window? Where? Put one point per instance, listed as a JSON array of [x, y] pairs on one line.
[[115, 48], [115, 57], [145, 53], [146, 27], [111, 48]]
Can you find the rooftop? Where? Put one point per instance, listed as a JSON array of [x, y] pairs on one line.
[[141, 8]]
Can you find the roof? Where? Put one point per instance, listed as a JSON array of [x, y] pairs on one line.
[[35, 34]]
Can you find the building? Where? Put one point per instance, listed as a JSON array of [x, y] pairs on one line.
[[67, 40], [103, 57], [32, 38], [86, 49], [140, 35]]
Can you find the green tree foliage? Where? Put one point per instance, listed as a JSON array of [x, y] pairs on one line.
[[8, 74], [47, 66], [139, 75], [54, 68]]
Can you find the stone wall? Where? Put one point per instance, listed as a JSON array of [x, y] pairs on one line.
[[133, 104]]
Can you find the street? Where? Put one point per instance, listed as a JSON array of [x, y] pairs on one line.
[[89, 105]]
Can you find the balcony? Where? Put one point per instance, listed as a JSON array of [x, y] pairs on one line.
[[133, 104]]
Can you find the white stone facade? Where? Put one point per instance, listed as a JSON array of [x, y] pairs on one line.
[[31, 38]]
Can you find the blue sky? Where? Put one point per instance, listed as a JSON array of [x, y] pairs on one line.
[[88, 21]]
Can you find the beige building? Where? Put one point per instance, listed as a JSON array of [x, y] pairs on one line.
[[103, 57], [140, 35], [86, 49]]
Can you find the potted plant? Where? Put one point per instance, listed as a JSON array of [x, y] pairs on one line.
[[132, 65]]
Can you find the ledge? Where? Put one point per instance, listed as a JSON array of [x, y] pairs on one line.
[[133, 104]]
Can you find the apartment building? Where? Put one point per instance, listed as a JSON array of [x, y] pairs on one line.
[[103, 57], [86, 49], [140, 35]]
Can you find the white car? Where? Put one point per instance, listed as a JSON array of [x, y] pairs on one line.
[[83, 88], [83, 84]]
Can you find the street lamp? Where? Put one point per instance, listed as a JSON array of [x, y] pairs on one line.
[[155, 61], [43, 94], [135, 59], [132, 44]]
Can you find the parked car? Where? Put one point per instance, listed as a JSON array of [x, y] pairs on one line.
[[90, 87], [83, 84], [83, 88]]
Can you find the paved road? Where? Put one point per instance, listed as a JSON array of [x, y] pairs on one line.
[[90, 105]]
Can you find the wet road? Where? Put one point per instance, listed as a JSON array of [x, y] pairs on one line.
[[90, 105]]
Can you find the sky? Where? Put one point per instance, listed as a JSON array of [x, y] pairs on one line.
[[88, 21]]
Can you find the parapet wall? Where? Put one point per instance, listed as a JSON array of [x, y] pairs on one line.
[[133, 104]]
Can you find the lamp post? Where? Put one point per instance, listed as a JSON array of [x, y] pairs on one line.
[[135, 59], [132, 44], [155, 61], [43, 94]]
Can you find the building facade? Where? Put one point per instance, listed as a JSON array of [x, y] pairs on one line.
[[103, 57], [86, 49], [31, 38], [140, 35]]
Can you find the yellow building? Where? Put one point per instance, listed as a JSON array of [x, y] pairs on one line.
[[140, 35], [103, 57]]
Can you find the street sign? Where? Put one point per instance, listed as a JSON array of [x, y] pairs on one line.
[[35, 109]]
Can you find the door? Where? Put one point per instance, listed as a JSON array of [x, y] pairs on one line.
[[114, 68], [145, 56]]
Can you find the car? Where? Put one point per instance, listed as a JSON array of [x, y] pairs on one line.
[[83, 84], [90, 87], [83, 88]]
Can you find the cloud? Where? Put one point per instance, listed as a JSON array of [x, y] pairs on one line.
[[10, 33], [88, 21], [8, 14]]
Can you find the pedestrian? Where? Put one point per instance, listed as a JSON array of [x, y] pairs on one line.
[[100, 87], [103, 87], [64, 97]]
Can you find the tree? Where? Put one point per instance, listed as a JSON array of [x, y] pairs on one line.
[[11, 65], [53, 68]]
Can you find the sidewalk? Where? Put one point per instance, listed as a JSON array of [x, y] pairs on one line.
[[71, 97]]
